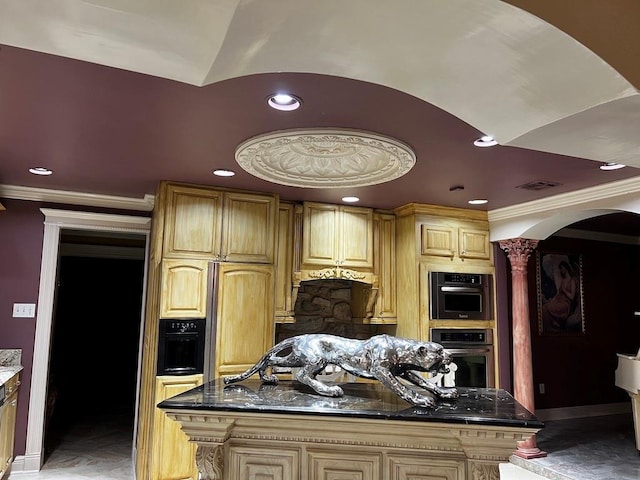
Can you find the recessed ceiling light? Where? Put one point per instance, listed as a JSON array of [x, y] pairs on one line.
[[40, 171], [485, 141], [350, 199], [478, 201], [284, 102], [611, 166], [221, 172]]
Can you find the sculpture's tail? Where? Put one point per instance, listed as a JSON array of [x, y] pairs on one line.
[[262, 364]]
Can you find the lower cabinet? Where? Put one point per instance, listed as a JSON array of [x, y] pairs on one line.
[[279, 463], [173, 456], [8, 424]]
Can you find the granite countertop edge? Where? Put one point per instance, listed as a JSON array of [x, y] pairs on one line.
[[7, 373]]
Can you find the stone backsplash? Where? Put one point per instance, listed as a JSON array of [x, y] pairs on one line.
[[332, 307], [10, 357]]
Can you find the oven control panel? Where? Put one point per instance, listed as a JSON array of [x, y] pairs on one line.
[[447, 336]]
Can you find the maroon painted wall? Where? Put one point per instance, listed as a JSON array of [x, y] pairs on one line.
[[580, 369], [21, 233]]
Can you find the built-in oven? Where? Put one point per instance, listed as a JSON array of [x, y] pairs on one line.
[[460, 296], [181, 346], [473, 362]]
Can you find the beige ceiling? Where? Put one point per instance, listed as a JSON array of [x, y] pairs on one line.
[[495, 66]]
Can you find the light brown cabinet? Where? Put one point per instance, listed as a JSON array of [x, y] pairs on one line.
[[284, 264], [184, 288], [8, 423], [171, 449], [431, 238], [219, 225], [337, 235], [244, 317], [442, 238], [385, 268]]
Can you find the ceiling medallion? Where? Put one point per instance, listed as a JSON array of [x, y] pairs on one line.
[[325, 158]]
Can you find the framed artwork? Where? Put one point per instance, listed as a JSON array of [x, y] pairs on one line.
[[559, 288]]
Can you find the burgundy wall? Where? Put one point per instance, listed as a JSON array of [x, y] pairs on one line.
[[580, 369], [21, 231]]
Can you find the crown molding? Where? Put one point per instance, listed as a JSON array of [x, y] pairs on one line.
[[607, 191], [17, 192]]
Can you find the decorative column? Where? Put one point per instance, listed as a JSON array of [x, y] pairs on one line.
[[518, 251]]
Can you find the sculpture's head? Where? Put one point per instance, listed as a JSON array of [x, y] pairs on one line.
[[432, 357]]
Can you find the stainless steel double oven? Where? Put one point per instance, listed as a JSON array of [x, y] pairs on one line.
[[472, 353]]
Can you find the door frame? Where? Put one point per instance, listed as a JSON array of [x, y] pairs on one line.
[[55, 221]]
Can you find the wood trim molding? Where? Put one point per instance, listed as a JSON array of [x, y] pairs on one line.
[[541, 218], [55, 221], [17, 192]]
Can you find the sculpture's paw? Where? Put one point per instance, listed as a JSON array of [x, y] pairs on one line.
[[448, 393], [421, 401], [270, 379], [333, 391]]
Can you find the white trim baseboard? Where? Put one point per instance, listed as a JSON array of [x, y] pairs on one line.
[[581, 411], [25, 464]]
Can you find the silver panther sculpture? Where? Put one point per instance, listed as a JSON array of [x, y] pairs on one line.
[[381, 357]]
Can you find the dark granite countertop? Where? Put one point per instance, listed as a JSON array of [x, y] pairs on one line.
[[480, 406]]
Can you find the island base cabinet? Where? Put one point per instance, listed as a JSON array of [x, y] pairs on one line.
[[278, 461], [253, 446]]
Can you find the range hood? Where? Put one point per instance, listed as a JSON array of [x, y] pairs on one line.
[[364, 287]]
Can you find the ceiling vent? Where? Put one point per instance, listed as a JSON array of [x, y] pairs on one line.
[[538, 185]]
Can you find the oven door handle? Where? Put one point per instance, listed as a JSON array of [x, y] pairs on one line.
[[469, 351], [461, 289]]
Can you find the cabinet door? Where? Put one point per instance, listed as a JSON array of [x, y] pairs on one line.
[[244, 320], [438, 240], [385, 257], [264, 463], [413, 468], [249, 228], [8, 423], [474, 243], [284, 264], [356, 237], [184, 288], [320, 234], [173, 456], [193, 222], [347, 465]]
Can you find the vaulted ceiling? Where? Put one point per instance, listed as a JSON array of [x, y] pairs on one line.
[[116, 95]]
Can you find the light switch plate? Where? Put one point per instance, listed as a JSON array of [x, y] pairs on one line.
[[24, 310]]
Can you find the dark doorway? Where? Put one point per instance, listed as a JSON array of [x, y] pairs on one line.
[[95, 336]]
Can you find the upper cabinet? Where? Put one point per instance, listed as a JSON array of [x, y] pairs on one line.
[[183, 288], [219, 225], [337, 235], [385, 268], [284, 262], [454, 238]]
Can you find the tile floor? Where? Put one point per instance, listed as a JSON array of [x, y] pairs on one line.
[[92, 449], [592, 448]]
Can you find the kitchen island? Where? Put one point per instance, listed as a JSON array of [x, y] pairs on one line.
[[288, 432]]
